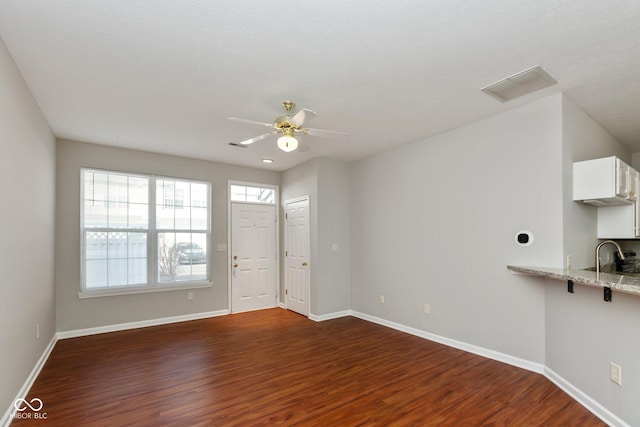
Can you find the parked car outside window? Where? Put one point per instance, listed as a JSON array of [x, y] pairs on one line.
[[190, 253]]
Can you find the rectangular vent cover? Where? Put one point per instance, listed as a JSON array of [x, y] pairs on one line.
[[519, 84]]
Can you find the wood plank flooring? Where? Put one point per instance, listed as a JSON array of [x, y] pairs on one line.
[[274, 367]]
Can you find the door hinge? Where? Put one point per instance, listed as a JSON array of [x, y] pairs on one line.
[[286, 291], [286, 253], [286, 216]]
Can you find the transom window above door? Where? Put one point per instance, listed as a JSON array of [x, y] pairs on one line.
[[252, 194]]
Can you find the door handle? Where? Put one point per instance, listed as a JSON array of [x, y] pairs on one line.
[[235, 264], [304, 264]]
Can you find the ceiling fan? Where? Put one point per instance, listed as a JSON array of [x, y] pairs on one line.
[[287, 126]]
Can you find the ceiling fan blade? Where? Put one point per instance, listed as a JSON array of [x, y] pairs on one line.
[[302, 115], [256, 138], [252, 122], [323, 132]]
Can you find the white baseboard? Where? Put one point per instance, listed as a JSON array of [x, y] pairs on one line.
[[335, 315], [470, 348], [585, 400], [140, 324], [7, 418]]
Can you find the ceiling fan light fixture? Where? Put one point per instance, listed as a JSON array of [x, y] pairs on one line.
[[287, 143]]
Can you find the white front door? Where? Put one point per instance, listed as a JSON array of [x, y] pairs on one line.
[[297, 278], [253, 257]]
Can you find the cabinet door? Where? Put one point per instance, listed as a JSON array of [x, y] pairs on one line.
[[636, 206], [617, 222], [622, 178], [632, 185]]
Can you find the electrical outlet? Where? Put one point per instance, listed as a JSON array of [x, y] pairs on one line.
[[189, 296], [568, 262], [38, 330], [615, 373], [427, 309], [381, 299]]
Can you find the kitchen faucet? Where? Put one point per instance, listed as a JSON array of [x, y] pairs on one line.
[[620, 254]]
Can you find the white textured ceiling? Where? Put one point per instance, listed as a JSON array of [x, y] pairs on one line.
[[163, 75]]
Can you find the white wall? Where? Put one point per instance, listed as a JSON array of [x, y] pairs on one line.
[[74, 313], [334, 227], [27, 174], [326, 182], [584, 333], [434, 222]]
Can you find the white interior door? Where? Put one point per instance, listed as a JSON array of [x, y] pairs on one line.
[[253, 257], [297, 278]]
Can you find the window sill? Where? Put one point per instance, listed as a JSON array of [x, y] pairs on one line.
[[145, 290]]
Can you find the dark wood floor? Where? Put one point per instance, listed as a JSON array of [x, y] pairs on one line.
[[275, 367]]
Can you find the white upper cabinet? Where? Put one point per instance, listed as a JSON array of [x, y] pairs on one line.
[[605, 182], [619, 222], [633, 184]]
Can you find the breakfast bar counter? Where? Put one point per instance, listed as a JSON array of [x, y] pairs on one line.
[[629, 284]]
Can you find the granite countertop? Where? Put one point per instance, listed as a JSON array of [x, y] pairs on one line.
[[629, 284]]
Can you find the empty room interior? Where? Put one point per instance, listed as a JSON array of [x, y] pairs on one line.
[[304, 213]]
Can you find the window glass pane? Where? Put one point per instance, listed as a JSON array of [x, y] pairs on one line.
[[182, 257], [137, 260], [165, 190], [117, 188], [95, 245], [95, 185], [164, 217], [167, 257], [138, 215], [117, 215], [199, 219], [183, 219], [138, 271], [122, 248], [247, 193], [96, 274], [138, 190], [238, 193], [182, 194], [117, 272], [199, 194], [137, 245], [95, 214], [253, 194], [267, 195]]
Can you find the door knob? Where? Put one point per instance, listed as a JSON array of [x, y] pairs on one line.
[[304, 264], [235, 264]]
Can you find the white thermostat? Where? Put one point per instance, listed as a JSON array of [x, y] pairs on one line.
[[524, 238]]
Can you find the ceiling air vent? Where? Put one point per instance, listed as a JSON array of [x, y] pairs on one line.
[[519, 84]]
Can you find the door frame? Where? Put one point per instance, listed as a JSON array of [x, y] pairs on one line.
[[284, 257], [276, 203]]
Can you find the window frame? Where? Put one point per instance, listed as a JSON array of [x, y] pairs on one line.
[[248, 185], [153, 284]]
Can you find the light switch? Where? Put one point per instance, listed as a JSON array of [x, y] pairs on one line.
[[221, 247], [334, 247]]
